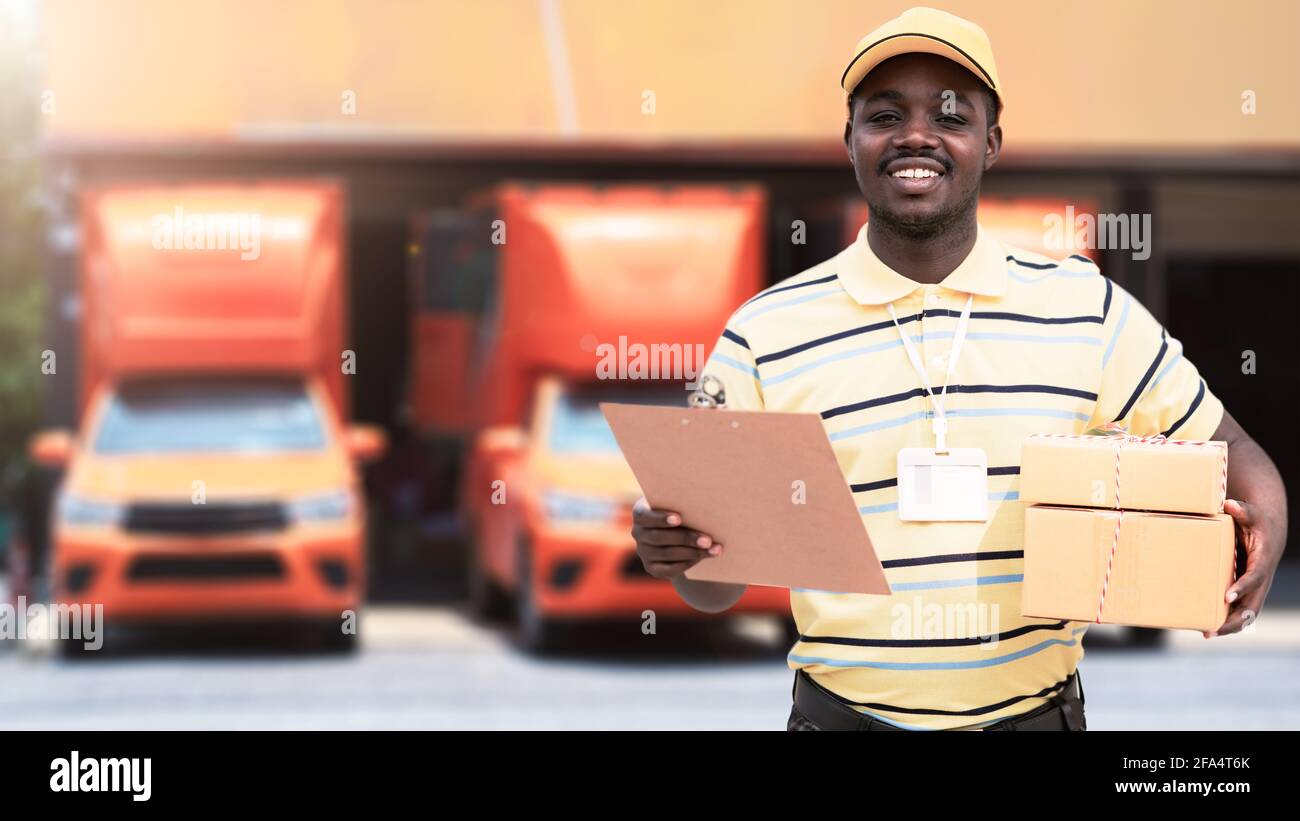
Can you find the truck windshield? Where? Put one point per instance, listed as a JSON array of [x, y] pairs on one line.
[[210, 415], [578, 426]]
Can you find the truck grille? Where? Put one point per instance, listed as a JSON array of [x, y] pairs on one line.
[[206, 518], [198, 568]]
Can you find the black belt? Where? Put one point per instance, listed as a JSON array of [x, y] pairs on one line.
[[1063, 711]]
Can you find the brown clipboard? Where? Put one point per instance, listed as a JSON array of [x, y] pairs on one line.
[[733, 475]]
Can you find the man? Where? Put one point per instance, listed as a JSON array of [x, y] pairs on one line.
[[865, 339]]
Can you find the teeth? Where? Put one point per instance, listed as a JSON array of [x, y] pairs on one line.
[[919, 173]]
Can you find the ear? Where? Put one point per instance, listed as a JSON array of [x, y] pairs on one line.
[[993, 147], [848, 127]]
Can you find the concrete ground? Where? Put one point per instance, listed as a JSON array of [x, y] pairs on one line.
[[431, 667]]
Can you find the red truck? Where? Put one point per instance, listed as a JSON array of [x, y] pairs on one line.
[[594, 294], [213, 471]]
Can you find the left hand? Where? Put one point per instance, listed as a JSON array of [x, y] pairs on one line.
[[1260, 534]]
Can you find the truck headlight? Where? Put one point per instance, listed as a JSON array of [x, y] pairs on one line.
[[322, 507], [573, 507], [83, 510]]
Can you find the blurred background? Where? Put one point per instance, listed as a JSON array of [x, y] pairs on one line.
[[351, 395]]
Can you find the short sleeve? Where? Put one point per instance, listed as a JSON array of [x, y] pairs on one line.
[[1146, 383], [732, 363]]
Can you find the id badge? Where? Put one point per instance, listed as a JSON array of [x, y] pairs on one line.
[[949, 487]]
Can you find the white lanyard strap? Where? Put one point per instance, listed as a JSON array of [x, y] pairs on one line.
[[940, 421]]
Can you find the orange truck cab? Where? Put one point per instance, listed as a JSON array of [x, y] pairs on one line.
[[213, 473], [599, 294]]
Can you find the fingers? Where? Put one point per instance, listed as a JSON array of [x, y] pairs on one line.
[[1256, 569], [1237, 510], [1247, 584], [667, 549], [672, 553], [664, 536], [1251, 541], [676, 553], [1238, 619], [669, 562], [1245, 612], [1242, 527], [646, 516], [667, 569]]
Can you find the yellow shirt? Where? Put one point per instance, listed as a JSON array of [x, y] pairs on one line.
[[1052, 347]]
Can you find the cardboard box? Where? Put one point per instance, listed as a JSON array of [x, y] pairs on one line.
[[1080, 471], [1171, 570]]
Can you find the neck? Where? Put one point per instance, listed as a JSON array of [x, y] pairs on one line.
[[924, 258]]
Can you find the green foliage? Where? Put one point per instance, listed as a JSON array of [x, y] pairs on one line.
[[22, 255]]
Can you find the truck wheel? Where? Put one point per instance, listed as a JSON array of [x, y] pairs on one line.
[[535, 632], [487, 601]]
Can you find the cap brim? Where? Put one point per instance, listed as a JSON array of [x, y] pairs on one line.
[[880, 51]]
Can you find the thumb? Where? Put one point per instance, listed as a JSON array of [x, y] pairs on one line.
[[1236, 510]]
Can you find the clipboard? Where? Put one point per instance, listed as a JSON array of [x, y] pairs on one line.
[[766, 485]]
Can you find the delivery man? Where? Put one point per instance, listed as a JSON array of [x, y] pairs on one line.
[[926, 329]]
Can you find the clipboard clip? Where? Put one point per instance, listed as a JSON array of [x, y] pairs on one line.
[[710, 393]]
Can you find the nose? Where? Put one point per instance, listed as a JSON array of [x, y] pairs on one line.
[[916, 134]]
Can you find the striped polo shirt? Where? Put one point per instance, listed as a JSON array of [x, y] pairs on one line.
[[1052, 347]]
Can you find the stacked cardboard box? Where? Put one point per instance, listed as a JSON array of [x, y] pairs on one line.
[[1174, 558]]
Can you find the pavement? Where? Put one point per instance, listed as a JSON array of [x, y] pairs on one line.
[[430, 666]]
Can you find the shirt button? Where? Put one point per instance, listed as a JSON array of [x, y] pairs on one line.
[[934, 299], [939, 361]]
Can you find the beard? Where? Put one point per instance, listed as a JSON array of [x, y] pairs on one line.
[[929, 226]]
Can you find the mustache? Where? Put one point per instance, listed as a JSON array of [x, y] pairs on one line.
[[944, 161]]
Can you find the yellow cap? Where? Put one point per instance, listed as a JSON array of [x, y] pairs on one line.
[[930, 31]]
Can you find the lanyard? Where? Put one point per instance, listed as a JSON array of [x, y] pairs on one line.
[[940, 421]]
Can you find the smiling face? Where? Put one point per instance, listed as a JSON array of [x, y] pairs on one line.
[[920, 140]]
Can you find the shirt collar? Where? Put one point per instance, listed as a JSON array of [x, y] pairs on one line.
[[872, 282]]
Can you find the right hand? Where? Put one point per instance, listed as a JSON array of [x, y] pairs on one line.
[[667, 547]]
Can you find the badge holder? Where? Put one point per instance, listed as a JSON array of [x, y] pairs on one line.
[[941, 484]]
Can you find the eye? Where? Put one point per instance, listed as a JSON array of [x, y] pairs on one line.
[[883, 117], [952, 119]]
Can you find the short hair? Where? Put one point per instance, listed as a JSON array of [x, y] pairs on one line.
[[990, 104]]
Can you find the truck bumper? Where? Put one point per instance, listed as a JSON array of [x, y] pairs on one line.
[[598, 574], [156, 578]]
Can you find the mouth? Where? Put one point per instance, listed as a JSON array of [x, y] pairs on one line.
[[915, 176]]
